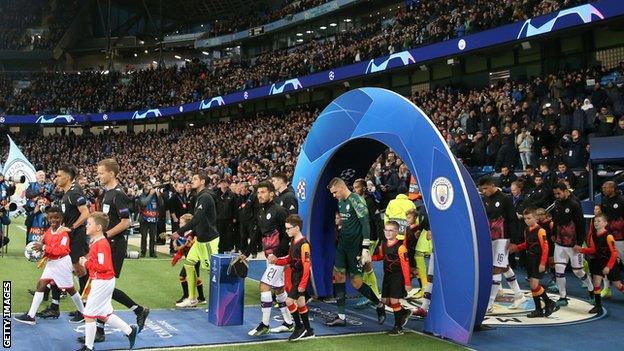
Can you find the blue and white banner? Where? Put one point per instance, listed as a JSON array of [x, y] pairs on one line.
[[518, 31], [17, 164]]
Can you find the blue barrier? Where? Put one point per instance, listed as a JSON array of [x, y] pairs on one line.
[[227, 293]]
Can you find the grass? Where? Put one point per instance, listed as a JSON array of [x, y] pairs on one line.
[[138, 279], [368, 342]]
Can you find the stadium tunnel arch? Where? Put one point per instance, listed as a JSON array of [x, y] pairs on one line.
[[345, 140]]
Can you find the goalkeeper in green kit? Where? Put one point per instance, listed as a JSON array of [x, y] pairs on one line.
[[352, 250]]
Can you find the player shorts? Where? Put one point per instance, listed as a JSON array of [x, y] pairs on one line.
[[78, 244], [201, 252], [119, 247], [564, 254], [59, 271], [532, 267], [596, 267], [392, 286], [99, 302], [273, 276], [295, 279], [500, 254], [347, 260]]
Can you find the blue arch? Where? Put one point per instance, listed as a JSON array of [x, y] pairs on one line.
[[344, 141]]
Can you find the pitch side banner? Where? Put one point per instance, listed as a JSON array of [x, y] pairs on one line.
[[518, 31]]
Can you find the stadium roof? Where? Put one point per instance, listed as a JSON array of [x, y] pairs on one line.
[[190, 11]]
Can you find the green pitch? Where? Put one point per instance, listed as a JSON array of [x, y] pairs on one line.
[[138, 280]]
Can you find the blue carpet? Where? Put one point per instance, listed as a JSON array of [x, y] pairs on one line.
[[604, 334], [166, 328]]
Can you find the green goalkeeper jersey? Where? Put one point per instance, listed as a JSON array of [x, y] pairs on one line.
[[354, 215]]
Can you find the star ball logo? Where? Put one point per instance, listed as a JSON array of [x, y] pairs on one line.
[[347, 174], [584, 14], [332, 75], [442, 193]]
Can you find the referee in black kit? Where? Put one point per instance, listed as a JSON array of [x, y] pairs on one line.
[[116, 205], [75, 214]]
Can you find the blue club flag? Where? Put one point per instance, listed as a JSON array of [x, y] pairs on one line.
[[18, 165]]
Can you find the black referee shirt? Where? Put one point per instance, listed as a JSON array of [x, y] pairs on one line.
[[72, 199], [116, 205]]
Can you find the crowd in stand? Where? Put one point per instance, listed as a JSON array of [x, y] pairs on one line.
[[17, 16], [421, 22], [244, 148], [514, 123], [424, 22], [507, 124], [462, 17], [261, 16]]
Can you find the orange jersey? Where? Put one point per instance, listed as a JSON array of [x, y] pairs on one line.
[[299, 260], [602, 247], [395, 259], [535, 243]]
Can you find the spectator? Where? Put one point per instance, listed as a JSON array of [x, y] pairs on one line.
[[619, 129], [564, 174], [150, 201], [524, 140], [574, 150], [506, 178], [494, 142], [606, 122]]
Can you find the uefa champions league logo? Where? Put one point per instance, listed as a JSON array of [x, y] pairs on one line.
[[245, 95], [153, 113], [52, 119], [405, 57], [215, 101], [584, 12], [294, 83], [442, 193], [347, 174]]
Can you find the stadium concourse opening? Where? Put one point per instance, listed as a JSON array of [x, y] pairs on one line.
[[343, 142]]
